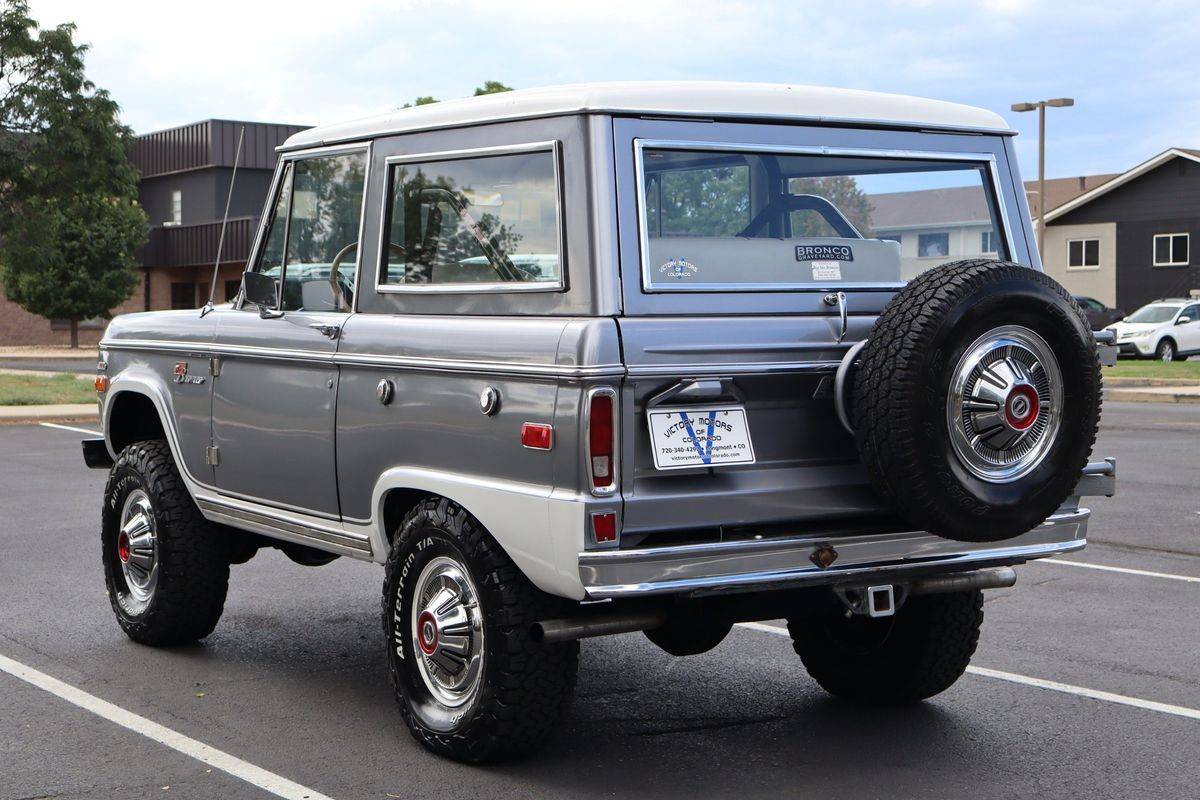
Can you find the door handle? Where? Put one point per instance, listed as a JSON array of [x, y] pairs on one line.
[[326, 329]]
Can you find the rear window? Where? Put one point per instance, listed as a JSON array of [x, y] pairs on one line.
[[724, 219]]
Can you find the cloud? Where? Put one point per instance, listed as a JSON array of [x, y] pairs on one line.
[[1130, 67]]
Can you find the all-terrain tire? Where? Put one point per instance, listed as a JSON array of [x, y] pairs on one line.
[[191, 572], [903, 382], [917, 653], [524, 685]]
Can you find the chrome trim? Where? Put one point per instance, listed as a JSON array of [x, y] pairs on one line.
[[614, 467], [201, 350], [839, 385], [738, 368], [552, 146], [648, 285], [770, 563], [322, 538]]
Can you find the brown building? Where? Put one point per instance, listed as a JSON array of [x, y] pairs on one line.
[[185, 175]]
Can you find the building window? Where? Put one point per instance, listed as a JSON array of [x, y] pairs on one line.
[[987, 242], [231, 290], [1083, 254], [933, 245], [176, 208], [1171, 250], [183, 295]]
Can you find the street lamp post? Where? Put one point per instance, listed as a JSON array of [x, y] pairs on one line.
[[1040, 107]]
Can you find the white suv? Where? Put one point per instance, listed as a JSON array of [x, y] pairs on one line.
[[1168, 330]]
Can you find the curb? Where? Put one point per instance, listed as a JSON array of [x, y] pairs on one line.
[[1136, 396], [25, 415], [1124, 382]]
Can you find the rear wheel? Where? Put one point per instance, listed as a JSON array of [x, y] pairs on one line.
[[917, 653], [471, 682], [166, 568]]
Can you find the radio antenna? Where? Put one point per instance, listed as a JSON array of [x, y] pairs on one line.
[[212, 286]]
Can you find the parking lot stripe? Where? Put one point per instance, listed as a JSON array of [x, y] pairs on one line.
[[243, 770], [1125, 570], [1039, 683], [69, 428]]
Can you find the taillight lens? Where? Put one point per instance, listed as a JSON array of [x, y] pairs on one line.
[[600, 441]]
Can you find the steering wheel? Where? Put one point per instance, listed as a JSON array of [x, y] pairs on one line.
[[335, 283]]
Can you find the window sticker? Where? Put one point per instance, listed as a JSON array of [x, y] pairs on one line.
[[827, 270], [679, 268]]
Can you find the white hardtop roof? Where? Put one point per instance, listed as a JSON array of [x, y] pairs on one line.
[[707, 99]]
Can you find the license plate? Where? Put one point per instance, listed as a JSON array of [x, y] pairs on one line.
[[699, 436]]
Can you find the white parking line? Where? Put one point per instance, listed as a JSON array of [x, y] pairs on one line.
[[1039, 683], [1125, 570], [243, 770], [69, 428]]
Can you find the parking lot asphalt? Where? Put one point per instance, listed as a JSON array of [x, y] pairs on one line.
[[293, 680]]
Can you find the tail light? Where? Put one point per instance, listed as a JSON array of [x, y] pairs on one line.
[[602, 441]]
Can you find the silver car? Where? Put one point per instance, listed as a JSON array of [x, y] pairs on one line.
[[599, 359]]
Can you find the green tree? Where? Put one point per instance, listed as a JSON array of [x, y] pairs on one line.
[[69, 219], [489, 87]]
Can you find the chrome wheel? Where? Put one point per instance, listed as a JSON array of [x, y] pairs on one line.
[[137, 552], [447, 628], [1005, 404]]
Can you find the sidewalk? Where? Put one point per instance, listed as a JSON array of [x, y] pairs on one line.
[[66, 412], [1153, 394], [48, 353]]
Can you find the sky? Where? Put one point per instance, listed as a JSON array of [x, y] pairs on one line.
[[1132, 67]]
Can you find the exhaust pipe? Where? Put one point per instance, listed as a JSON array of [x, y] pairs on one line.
[[994, 578], [583, 627]]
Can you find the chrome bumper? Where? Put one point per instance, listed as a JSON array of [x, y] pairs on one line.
[[726, 567]]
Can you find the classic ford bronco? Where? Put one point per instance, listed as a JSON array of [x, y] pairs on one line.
[[613, 358]]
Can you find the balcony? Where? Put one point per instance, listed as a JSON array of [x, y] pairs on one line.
[[192, 245]]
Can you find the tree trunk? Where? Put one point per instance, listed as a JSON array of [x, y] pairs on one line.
[[74, 333]]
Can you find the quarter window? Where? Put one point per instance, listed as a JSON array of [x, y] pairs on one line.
[[472, 222], [1083, 253], [1171, 250]]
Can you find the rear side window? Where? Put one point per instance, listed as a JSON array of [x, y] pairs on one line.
[[472, 223], [725, 218]]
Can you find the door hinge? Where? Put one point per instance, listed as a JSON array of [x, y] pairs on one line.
[[214, 367], [212, 456]]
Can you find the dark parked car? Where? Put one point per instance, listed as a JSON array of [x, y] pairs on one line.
[[1098, 314]]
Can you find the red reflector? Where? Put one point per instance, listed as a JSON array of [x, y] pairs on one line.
[[600, 441], [537, 435], [604, 527]]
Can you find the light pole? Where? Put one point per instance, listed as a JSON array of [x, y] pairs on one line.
[[1040, 106]]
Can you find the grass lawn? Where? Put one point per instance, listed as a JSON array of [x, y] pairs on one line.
[[1154, 369], [35, 390]]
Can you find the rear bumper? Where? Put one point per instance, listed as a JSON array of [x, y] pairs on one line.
[[727, 567]]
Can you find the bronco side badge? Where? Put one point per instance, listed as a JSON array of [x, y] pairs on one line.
[[181, 374]]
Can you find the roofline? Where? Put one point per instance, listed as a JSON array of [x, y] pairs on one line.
[[657, 114], [1120, 180], [137, 135]]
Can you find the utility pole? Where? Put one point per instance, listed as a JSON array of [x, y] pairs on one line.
[[1040, 107]]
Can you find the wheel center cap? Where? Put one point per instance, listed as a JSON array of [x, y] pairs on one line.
[[427, 633], [123, 547], [1021, 407]]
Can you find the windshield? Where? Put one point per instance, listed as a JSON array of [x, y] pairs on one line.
[[1152, 314], [726, 219]]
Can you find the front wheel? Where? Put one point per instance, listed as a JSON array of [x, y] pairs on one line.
[[471, 682], [916, 653], [1165, 351], [166, 568]]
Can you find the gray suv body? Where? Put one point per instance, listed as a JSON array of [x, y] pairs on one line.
[[588, 340]]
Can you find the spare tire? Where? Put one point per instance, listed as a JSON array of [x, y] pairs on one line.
[[976, 400]]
